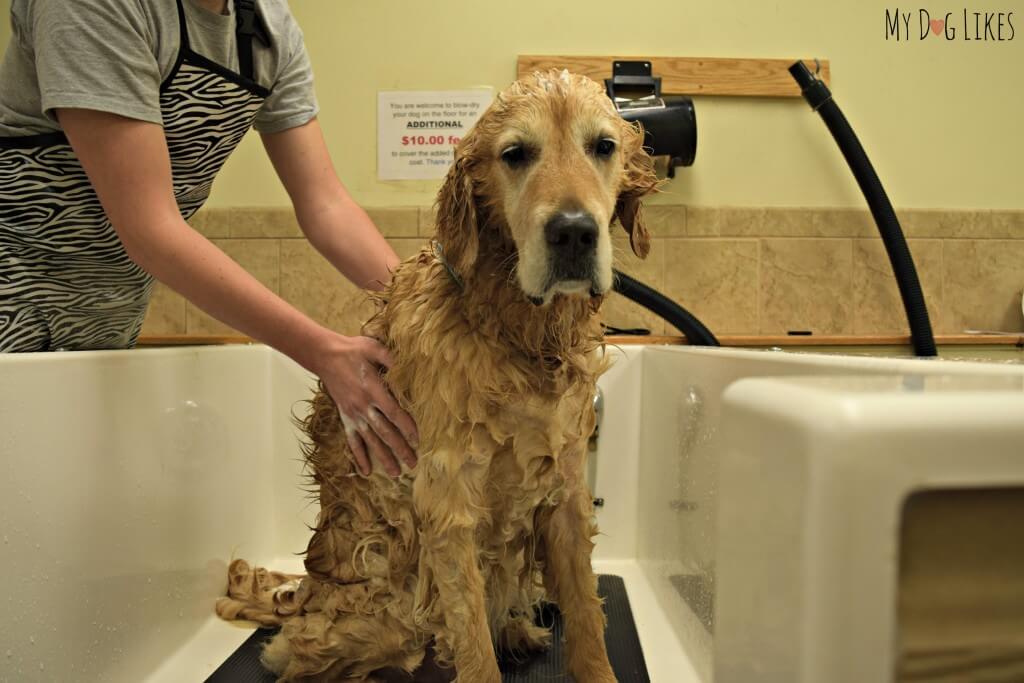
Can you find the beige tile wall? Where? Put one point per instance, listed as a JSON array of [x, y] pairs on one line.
[[741, 270]]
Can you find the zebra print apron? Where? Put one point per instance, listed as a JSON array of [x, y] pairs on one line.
[[66, 282]]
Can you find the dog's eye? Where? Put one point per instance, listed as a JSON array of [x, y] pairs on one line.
[[604, 147], [514, 156]]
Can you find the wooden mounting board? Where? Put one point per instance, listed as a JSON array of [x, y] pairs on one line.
[[691, 75]]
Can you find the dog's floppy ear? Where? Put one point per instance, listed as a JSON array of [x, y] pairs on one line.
[[457, 229], [638, 180]]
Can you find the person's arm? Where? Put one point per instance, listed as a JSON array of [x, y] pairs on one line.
[[128, 164], [334, 223]]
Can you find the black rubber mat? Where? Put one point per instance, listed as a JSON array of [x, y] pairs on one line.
[[621, 638]]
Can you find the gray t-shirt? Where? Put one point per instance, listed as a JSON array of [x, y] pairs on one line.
[[112, 56]]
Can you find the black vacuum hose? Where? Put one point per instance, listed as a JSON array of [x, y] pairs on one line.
[[683, 320], [819, 97]]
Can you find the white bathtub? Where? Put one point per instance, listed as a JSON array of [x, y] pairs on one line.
[[128, 480]]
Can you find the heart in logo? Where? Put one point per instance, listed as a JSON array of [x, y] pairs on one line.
[[937, 25]]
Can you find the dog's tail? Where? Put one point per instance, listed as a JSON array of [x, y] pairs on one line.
[[257, 594]]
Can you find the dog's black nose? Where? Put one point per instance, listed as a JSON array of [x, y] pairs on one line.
[[572, 238]]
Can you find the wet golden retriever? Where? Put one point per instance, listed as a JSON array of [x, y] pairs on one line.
[[495, 334]]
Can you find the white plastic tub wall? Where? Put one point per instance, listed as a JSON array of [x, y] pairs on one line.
[[128, 480]]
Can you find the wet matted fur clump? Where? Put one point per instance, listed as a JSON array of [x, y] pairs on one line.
[[455, 554]]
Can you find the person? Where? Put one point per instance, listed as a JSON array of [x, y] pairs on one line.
[[115, 117]]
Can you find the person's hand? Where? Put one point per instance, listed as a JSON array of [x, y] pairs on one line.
[[375, 425]]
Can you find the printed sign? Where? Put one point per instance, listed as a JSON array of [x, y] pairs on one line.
[[417, 130]]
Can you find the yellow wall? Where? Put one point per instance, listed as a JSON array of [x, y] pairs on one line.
[[5, 32], [940, 120]]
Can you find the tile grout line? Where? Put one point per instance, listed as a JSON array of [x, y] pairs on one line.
[[684, 229], [942, 287], [759, 295], [664, 277], [852, 325]]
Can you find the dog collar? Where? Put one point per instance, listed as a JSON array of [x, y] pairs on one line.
[[439, 253]]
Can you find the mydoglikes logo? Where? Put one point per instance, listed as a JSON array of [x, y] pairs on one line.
[[966, 25]]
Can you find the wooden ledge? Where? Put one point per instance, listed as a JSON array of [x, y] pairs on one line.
[[1016, 339], [839, 340], [192, 340]]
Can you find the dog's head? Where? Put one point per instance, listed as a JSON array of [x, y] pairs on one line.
[[551, 165]]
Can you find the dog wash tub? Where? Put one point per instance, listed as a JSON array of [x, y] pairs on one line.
[[773, 515]]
